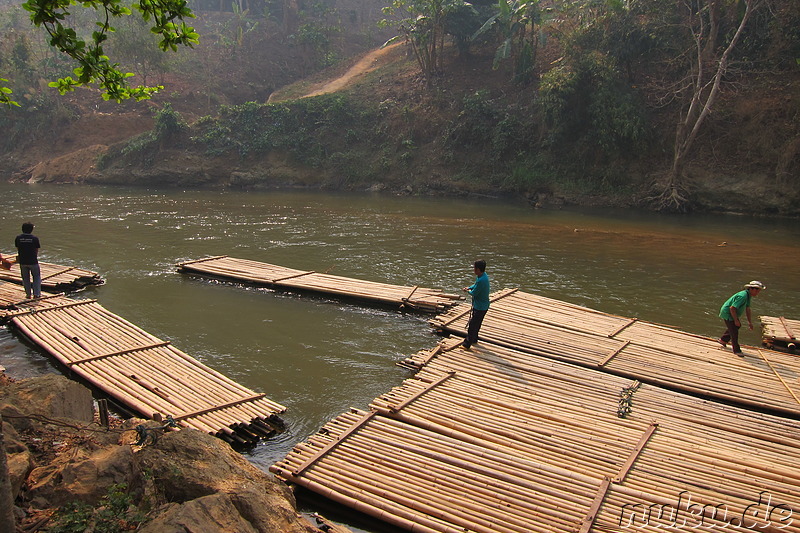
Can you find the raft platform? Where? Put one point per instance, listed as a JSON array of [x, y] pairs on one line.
[[138, 370], [636, 349], [55, 278], [497, 440], [780, 333], [278, 277]]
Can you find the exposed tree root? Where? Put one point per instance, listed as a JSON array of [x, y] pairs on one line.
[[670, 198]]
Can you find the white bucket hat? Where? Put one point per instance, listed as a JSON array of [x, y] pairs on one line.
[[755, 285]]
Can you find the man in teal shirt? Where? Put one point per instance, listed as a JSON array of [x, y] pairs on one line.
[[731, 313], [480, 302]]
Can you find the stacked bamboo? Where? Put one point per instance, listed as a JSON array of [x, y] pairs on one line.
[[55, 278], [415, 298], [635, 349], [496, 440], [780, 332], [144, 373]]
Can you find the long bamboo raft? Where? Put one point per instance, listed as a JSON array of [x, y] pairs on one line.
[[140, 371], [55, 278], [264, 274], [780, 333], [12, 298], [636, 349], [495, 440]]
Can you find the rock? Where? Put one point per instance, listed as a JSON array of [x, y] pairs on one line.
[[82, 475], [188, 464], [19, 459], [211, 488], [209, 514], [51, 395], [68, 168], [16, 419]]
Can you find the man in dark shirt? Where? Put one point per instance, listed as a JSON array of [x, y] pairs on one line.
[[28, 258]]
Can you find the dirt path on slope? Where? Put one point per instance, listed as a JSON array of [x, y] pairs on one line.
[[371, 61]]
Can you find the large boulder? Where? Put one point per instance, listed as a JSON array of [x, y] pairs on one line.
[[209, 514], [19, 459], [82, 474], [51, 395], [188, 464]]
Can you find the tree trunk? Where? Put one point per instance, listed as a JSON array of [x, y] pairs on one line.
[[704, 95]]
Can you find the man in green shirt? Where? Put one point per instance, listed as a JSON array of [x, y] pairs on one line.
[[731, 313]]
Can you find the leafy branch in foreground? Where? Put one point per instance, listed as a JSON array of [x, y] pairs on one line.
[[5, 94], [94, 67]]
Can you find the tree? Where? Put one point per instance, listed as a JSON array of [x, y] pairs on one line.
[[94, 67], [516, 22], [423, 30], [709, 66], [318, 24]]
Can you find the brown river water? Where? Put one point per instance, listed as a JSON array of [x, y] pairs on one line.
[[319, 357]]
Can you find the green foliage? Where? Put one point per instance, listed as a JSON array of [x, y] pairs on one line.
[[168, 122], [462, 22], [423, 28], [489, 126], [233, 30], [772, 37], [114, 514], [298, 127], [588, 101], [539, 174], [559, 86], [320, 24], [515, 23], [94, 66], [626, 32], [5, 94]]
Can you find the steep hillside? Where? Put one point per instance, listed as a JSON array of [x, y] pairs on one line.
[[372, 123]]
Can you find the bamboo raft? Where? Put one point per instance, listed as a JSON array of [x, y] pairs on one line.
[[55, 278], [12, 298], [780, 333], [142, 372], [495, 440], [278, 277], [635, 349]]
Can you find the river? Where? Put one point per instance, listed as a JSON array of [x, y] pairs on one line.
[[320, 357]]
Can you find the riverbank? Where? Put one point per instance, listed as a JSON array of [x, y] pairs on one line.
[[474, 135], [68, 473]]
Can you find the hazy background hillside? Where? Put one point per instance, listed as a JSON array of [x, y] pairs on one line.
[[559, 102]]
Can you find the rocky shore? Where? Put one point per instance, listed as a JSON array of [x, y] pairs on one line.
[[68, 473]]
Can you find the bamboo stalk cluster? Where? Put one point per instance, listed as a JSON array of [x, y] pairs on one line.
[[416, 298], [498, 440], [143, 372], [55, 278], [635, 349]]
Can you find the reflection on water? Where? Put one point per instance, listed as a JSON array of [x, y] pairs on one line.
[[320, 357]]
